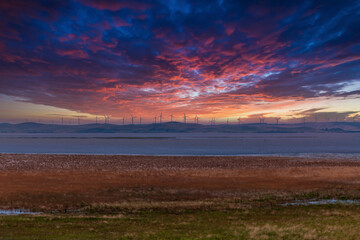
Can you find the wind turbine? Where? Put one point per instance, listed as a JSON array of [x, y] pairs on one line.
[[78, 119], [262, 120], [184, 118], [212, 122], [277, 120], [160, 117], [239, 120], [107, 119], [132, 119], [171, 117]]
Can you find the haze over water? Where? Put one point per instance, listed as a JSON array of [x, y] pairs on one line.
[[184, 143]]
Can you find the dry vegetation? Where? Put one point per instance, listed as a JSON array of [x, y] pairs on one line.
[[65, 182], [144, 197]]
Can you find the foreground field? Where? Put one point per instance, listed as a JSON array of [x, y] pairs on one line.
[[142, 197], [310, 222]]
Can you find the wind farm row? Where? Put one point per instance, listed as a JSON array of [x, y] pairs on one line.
[[132, 119]]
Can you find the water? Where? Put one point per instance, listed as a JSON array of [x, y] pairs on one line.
[[17, 212], [299, 144], [322, 202]]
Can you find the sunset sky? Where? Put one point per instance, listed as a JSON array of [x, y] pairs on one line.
[[222, 59]]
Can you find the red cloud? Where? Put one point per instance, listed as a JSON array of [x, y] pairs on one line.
[[114, 5], [74, 53]]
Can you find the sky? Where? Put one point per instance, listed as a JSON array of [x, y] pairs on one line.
[[215, 59]]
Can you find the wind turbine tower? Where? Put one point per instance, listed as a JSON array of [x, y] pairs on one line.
[[277, 120], [107, 119], [184, 118], [196, 119], [212, 122], [262, 120], [132, 119]]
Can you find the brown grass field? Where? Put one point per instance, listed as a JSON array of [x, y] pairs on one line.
[[153, 197], [48, 182]]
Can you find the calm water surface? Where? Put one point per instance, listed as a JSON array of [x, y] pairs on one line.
[[184, 143]]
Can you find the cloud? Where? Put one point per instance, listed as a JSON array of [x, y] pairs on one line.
[[112, 56], [319, 114], [115, 5]]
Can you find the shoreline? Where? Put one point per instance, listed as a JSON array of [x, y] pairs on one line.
[[329, 156]]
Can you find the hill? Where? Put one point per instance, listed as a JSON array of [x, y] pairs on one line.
[[31, 127]]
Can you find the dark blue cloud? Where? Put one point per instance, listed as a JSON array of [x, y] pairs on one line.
[[115, 49]]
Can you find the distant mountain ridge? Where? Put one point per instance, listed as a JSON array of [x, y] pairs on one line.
[[31, 127]]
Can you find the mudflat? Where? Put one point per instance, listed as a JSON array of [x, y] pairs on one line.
[[46, 182]]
